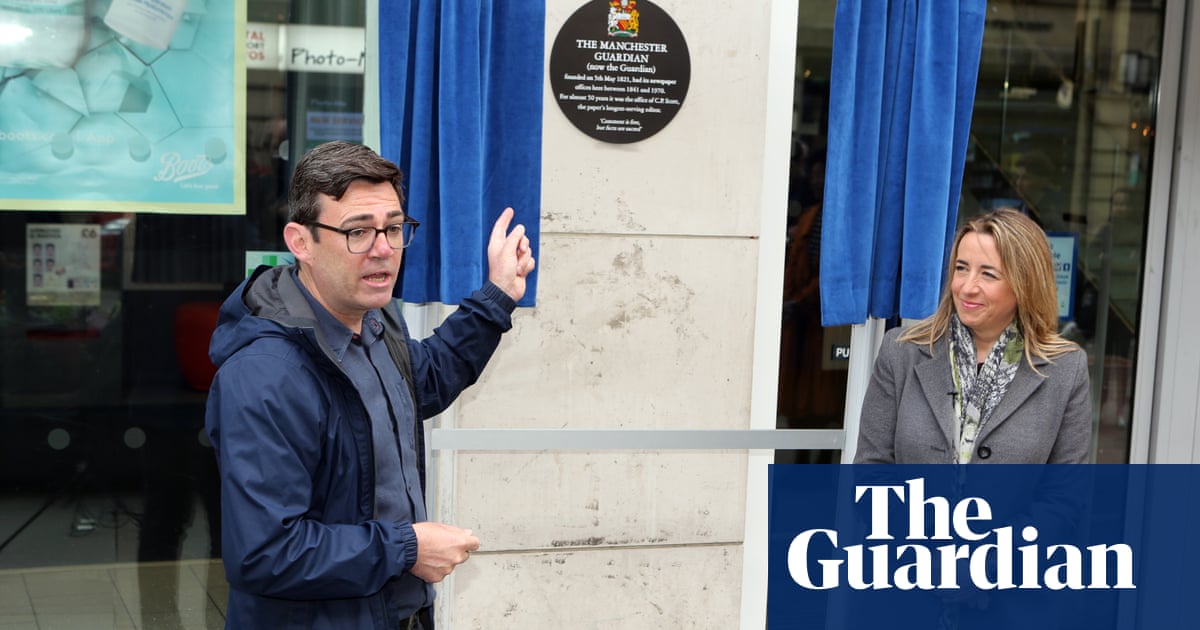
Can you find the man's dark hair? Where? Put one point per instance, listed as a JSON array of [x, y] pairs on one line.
[[329, 169]]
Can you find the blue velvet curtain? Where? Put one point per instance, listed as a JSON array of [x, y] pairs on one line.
[[902, 88], [461, 113]]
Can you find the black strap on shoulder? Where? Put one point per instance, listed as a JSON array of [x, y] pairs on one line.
[[397, 345]]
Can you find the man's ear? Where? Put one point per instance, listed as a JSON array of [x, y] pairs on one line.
[[299, 241]]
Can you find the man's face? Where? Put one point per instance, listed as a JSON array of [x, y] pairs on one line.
[[346, 284]]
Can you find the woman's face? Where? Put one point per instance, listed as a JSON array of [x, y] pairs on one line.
[[983, 298]]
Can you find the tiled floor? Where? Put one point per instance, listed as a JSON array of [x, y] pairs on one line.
[[150, 596], [55, 577]]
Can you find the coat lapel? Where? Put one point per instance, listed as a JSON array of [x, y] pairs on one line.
[[1025, 382], [933, 372]]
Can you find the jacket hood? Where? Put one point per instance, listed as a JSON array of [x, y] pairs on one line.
[[267, 304]]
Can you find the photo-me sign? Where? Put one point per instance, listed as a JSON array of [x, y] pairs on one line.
[[305, 48], [619, 69]]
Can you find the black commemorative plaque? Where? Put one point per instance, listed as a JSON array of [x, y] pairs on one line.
[[619, 69]]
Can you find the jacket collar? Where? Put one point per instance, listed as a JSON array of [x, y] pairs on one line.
[[933, 373]]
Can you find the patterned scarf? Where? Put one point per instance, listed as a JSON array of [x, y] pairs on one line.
[[980, 390]]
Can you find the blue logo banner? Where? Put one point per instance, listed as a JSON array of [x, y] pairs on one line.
[[993, 547]]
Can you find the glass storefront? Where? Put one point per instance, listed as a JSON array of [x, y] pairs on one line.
[[1063, 129], [103, 459]]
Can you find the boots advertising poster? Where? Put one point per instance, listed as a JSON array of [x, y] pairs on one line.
[[125, 104]]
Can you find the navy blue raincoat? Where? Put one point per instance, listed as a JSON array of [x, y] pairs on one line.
[[300, 543]]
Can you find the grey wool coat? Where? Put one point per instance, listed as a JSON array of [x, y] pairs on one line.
[[908, 413]]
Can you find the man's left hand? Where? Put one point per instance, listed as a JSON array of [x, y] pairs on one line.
[[510, 259]]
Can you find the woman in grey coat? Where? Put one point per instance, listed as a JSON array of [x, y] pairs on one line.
[[986, 378]]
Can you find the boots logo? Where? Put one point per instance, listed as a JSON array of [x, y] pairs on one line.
[[177, 169]]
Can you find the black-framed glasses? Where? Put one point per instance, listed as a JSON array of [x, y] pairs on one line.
[[360, 240]]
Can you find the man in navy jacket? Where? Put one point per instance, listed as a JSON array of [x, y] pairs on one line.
[[316, 406]]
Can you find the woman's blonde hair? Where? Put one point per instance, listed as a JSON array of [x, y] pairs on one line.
[[1029, 269]]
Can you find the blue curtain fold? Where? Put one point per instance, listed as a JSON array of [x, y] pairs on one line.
[[461, 114], [902, 89]]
